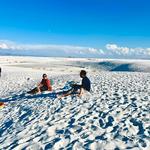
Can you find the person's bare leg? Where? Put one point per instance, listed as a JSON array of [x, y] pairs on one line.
[[39, 90], [65, 95]]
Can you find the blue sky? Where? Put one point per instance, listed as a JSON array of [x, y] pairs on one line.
[[85, 23]]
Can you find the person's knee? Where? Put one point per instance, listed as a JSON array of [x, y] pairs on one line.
[[50, 89]]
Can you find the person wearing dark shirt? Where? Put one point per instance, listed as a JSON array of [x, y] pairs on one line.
[[86, 84], [79, 89]]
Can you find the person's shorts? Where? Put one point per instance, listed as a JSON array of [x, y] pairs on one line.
[[43, 88]]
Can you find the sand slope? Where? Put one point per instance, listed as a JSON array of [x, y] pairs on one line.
[[115, 116]]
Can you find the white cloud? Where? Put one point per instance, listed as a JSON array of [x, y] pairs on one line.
[[148, 51], [128, 52], [96, 51], [118, 50], [3, 46], [50, 48]]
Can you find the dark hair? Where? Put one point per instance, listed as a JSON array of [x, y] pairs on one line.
[[44, 75], [83, 72]]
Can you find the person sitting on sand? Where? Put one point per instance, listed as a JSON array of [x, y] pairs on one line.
[[44, 85], [79, 89]]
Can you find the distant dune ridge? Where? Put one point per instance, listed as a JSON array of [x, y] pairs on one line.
[[119, 65], [125, 66]]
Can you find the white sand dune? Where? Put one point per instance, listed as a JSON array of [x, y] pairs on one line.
[[117, 65], [116, 116]]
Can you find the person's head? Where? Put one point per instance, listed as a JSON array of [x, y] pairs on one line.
[[82, 73], [44, 76]]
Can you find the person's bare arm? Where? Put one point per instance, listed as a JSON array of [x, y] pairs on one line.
[[39, 84], [81, 92]]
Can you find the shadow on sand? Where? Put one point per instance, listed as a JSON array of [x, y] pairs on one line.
[[16, 97]]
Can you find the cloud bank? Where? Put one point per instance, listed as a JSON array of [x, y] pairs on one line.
[[110, 51], [116, 50], [50, 49]]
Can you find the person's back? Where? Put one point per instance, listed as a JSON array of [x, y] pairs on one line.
[[86, 84]]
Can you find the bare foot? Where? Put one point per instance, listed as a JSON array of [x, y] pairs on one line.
[[60, 97]]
